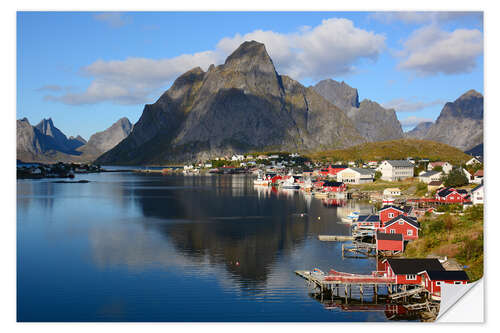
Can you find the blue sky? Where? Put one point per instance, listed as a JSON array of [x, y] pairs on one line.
[[86, 70]]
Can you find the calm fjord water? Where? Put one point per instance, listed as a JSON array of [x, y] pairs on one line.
[[146, 247]]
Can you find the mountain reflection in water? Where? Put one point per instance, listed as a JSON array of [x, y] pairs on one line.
[[146, 247]]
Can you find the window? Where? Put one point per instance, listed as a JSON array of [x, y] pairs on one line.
[[458, 282], [393, 231], [391, 215], [400, 222], [411, 277], [410, 232], [438, 283]]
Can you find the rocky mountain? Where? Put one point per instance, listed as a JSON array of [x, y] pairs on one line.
[[242, 105], [476, 151], [45, 143], [372, 121], [339, 93], [420, 131], [74, 143], [460, 123], [101, 142]]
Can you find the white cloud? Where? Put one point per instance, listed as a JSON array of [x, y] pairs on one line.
[[413, 121], [131, 81], [112, 19], [329, 49], [430, 50], [426, 17], [410, 104]]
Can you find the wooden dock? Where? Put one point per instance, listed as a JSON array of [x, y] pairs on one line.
[[335, 238]]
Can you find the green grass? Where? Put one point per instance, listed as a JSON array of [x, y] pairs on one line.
[[455, 236], [394, 149], [380, 185]]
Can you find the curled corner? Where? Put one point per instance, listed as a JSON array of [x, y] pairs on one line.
[[462, 303]]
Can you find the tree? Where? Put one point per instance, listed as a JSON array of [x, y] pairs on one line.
[[455, 178], [437, 168], [377, 176]]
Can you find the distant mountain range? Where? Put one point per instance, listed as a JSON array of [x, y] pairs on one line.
[[460, 123], [372, 121], [46, 143], [244, 105], [419, 131]]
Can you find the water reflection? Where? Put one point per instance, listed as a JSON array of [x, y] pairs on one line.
[[234, 224], [127, 241]]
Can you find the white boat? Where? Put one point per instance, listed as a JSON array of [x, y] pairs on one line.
[[352, 217], [260, 181], [320, 194], [289, 183]]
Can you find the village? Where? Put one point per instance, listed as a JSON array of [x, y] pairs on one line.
[[406, 192], [406, 195]]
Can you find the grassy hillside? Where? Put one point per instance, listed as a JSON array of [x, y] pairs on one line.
[[455, 235], [394, 149]]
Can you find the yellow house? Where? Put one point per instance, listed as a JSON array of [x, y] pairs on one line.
[[434, 185]]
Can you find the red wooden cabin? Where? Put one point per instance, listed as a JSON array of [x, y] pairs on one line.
[[432, 280], [332, 170], [334, 187], [405, 225], [393, 243], [370, 221], [406, 271], [387, 213], [451, 195]]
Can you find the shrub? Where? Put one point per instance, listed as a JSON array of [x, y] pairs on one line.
[[455, 178]]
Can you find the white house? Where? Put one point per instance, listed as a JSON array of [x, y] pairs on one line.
[[445, 165], [395, 170], [391, 192], [477, 194], [467, 174], [372, 164], [355, 175], [430, 176], [473, 160], [237, 158], [478, 177]]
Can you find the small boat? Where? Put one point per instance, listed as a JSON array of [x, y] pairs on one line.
[[352, 217], [319, 194]]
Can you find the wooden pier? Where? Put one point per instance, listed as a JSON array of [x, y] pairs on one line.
[[344, 285], [335, 238]]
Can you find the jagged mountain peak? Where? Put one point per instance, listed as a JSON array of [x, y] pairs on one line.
[[471, 93], [460, 123], [250, 56]]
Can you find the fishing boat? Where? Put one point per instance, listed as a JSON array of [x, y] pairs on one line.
[[352, 217], [289, 183], [261, 181]]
